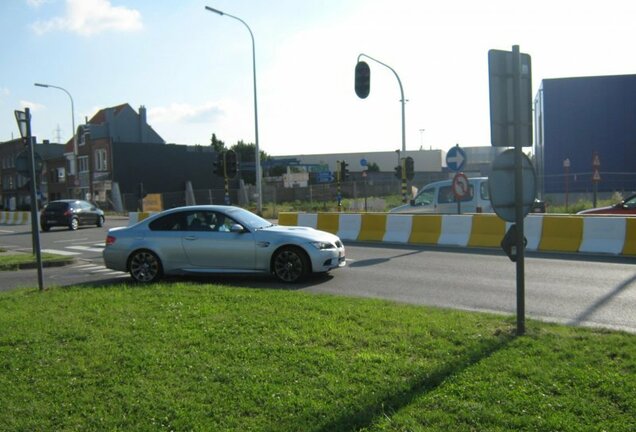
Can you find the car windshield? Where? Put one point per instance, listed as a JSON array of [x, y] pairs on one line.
[[249, 219]]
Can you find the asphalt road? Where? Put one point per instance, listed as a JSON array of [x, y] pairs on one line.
[[574, 289]]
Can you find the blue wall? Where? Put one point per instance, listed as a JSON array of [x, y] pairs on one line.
[[582, 116]]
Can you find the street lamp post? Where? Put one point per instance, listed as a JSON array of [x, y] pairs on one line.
[[23, 119], [257, 161], [75, 151]]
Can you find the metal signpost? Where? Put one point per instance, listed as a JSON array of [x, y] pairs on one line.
[[510, 84], [24, 124], [596, 175]]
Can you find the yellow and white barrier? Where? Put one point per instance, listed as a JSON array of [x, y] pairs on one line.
[[15, 218], [545, 233]]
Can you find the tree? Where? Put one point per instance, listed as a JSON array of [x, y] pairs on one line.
[[217, 144], [373, 167], [245, 153]]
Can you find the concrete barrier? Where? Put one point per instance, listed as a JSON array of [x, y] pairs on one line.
[[603, 234], [15, 218], [545, 233], [398, 228], [347, 225]]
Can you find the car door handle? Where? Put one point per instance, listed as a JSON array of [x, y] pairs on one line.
[[190, 238]]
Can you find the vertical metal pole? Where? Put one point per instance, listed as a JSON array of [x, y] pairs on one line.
[[403, 165], [35, 231], [516, 71]]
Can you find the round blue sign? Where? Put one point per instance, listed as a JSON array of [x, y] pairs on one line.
[[455, 159], [363, 162]]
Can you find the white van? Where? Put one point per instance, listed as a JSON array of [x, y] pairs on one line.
[[438, 197]]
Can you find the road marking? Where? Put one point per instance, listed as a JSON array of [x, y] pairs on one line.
[[70, 241], [60, 252], [83, 266], [7, 231], [85, 248]]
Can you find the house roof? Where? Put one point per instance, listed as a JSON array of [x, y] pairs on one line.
[[100, 117]]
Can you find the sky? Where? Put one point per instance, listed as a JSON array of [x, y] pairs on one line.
[[192, 69]]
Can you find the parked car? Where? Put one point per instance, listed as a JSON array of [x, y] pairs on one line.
[[625, 207], [219, 239], [70, 213], [438, 197]]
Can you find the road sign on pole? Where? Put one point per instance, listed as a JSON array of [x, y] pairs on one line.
[[510, 91], [456, 158]]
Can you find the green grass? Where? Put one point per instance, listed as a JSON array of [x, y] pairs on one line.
[[211, 358], [16, 261]]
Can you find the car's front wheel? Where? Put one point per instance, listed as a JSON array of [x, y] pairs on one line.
[[145, 266], [291, 264], [100, 221], [45, 227], [74, 224]]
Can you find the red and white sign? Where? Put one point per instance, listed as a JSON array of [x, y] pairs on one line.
[[461, 187]]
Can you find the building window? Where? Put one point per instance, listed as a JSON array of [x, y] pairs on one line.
[[100, 160], [82, 163]]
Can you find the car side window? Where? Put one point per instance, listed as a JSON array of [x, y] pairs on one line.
[[425, 197], [630, 203], [484, 191], [220, 222], [171, 222]]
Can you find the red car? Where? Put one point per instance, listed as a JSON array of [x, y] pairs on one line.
[[625, 207]]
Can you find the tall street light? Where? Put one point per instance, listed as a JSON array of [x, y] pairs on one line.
[[74, 163], [257, 160]]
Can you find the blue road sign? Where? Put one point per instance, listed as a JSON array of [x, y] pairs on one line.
[[363, 162], [325, 177], [455, 159]]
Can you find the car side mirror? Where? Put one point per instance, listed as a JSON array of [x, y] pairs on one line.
[[237, 228]]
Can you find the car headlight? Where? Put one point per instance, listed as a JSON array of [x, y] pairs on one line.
[[322, 245]]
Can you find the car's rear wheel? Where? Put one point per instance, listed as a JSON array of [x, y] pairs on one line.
[[100, 221], [45, 227], [74, 224], [291, 264], [145, 266]]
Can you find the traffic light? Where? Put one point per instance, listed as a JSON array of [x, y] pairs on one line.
[[344, 172], [219, 166], [410, 168], [363, 79], [231, 164], [398, 171]]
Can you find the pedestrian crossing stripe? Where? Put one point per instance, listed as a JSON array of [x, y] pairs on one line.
[[85, 248], [60, 252]]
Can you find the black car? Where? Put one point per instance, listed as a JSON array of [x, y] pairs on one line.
[[71, 214]]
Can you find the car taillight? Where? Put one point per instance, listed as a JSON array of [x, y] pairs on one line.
[[110, 240], [68, 213]]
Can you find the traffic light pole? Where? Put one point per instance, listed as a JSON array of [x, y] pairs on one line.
[[402, 100]]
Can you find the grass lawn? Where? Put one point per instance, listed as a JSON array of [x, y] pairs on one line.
[[15, 261], [186, 356]]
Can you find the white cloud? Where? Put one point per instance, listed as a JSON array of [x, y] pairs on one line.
[[36, 3], [33, 106], [185, 113], [90, 17]]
